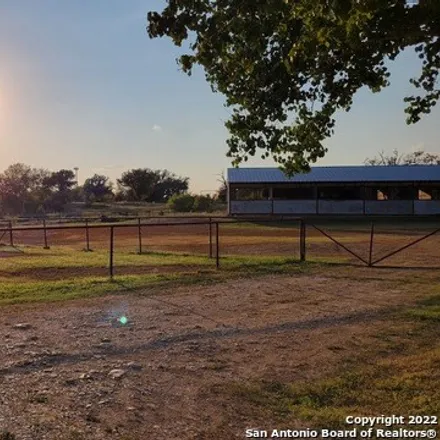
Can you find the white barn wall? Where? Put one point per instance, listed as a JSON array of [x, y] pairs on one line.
[[341, 207], [251, 207], [294, 207], [389, 207], [426, 207], [355, 207]]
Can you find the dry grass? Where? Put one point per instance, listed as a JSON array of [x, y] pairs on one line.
[[399, 375]]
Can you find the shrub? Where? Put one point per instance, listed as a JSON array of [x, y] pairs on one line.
[[181, 202], [203, 203]]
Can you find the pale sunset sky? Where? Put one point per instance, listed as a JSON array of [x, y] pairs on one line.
[[81, 84]]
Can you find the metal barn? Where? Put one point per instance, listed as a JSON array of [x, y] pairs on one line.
[[336, 190]]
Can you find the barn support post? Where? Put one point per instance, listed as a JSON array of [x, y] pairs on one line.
[[228, 197], [112, 248], [317, 199], [140, 236], [302, 240], [11, 234], [210, 237], [364, 196], [370, 257], [271, 200], [87, 249], [217, 248], [46, 246]]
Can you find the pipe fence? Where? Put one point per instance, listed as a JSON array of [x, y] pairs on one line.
[[147, 235]]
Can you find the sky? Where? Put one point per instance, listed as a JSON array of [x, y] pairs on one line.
[[82, 85]]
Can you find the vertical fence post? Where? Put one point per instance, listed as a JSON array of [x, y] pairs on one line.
[[46, 246], [370, 258], [210, 237], [217, 247], [112, 247], [11, 234], [87, 236], [302, 240], [140, 235]]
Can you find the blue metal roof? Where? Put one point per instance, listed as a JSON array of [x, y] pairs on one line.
[[396, 173]]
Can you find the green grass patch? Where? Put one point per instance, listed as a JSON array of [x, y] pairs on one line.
[[399, 374], [20, 282], [33, 258], [40, 291], [427, 310], [403, 385]]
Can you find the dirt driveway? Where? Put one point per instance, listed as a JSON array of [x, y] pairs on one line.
[[73, 371]]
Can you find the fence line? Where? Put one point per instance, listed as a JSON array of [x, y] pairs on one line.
[[106, 219], [210, 221]]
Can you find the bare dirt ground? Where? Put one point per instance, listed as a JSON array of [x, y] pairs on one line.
[[72, 371]]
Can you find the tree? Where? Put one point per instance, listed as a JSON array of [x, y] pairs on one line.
[[21, 189], [58, 186], [77, 194], [61, 181], [418, 157], [152, 186], [97, 188], [167, 185], [181, 202], [122, 193], [303, 59], [138, 183], [383, 159], [203, 203], [222, 193], [421, 157]]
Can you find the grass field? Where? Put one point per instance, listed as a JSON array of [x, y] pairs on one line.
[[60, 274], [263, 342], [398, 374]]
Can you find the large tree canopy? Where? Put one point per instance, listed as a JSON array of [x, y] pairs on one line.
[[97, 188], [61, 181], [278, 59], [144, 184]]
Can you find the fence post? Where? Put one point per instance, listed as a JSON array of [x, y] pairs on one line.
[[46, 246], [370, 258], [87, 249], [11, 234], [217, 248], [140, 235], [112, 247], [302, 241], [210, 237]]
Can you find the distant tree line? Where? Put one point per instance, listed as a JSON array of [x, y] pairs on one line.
[[35, 191]]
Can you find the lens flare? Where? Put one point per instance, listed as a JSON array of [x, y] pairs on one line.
[[123, 320]]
